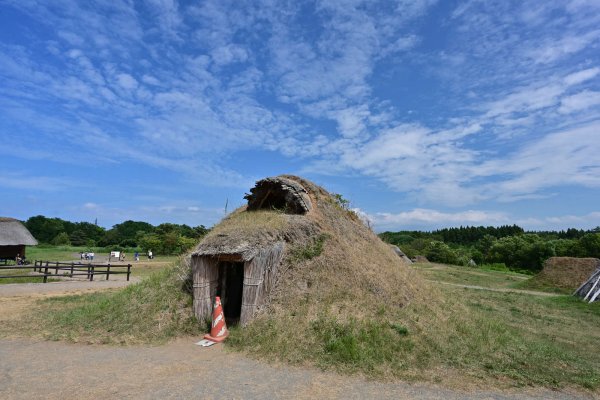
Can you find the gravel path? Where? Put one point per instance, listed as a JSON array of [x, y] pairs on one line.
[[181, 370]]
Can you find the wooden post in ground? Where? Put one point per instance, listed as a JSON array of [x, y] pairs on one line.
[[71, 269], [56, 270], [107, 271], [46, 273], [128, 271], [92, 272]]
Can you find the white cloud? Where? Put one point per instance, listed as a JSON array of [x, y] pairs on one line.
[[127, 81], [229, 54], [581, 76], [434, 218], [579, 101], [565, 46]]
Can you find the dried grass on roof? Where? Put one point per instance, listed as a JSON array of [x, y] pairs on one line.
[[14, 233]]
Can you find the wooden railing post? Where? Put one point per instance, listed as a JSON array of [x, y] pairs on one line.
[[72, 269], [128, 271], [56, 270], [92, 272], [46, 273], [107, 271]]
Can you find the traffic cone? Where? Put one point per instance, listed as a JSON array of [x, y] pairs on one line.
[[218, 331]]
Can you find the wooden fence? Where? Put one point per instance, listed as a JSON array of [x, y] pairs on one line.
[[47, 269]]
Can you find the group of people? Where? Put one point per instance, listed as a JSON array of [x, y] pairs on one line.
[[120, 255], [87, 255], [136, 255]]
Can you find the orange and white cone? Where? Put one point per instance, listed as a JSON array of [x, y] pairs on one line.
[[218, 331]]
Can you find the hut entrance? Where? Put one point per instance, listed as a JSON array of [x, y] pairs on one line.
[[230, 289]]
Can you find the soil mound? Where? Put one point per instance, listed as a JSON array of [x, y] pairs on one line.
[[566, 273]]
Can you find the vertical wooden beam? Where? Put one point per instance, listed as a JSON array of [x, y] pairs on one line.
[[205, 274]]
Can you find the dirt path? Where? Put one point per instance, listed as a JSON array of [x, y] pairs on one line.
[[182, 370], [62, 288], [502, 290]]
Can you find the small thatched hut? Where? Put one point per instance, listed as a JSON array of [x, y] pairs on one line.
[[240, 259], [13, 238], [292, 239]]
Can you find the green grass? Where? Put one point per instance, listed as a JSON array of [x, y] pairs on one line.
[[311, 249], [71, 253], [152, 311], [535, 284], [509, 339], [494, 338], [471, 276]]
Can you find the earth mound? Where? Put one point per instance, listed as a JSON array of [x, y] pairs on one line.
[[566, 273]]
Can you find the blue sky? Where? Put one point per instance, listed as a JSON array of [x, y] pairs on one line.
[[424, 114]]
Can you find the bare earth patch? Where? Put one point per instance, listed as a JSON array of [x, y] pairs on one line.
[[181, 370]]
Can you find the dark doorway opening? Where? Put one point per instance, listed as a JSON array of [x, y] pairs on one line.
[[230, 289]]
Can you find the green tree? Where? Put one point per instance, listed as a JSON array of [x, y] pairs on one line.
[[440, 252], [62, 239], [590, 245], [78, 238]]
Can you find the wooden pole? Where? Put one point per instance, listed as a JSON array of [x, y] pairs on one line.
[[128, 271], [107, 271]]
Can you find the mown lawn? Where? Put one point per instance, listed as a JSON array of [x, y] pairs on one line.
[[470, 275]]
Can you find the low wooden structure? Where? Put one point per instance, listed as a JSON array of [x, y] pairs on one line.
[[14, 238], [242, 264], [590, 290], [45, 269], [241, 281]]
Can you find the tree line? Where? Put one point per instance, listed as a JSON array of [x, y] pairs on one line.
[[165, 238], [509, 245]]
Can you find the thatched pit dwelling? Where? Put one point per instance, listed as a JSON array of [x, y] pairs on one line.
[[13, 238], [291, 239], [239, 261]]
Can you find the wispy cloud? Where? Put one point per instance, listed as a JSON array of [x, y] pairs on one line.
[[350, 88]]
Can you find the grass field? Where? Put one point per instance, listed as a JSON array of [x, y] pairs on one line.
[[485, 337], [471, 276], [141, 268], [71, 253], [542, 340]]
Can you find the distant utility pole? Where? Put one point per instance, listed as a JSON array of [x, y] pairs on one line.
[[226, 204], [96, 222]]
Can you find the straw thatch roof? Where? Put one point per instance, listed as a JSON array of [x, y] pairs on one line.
[[276, 212], [14, 233]]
